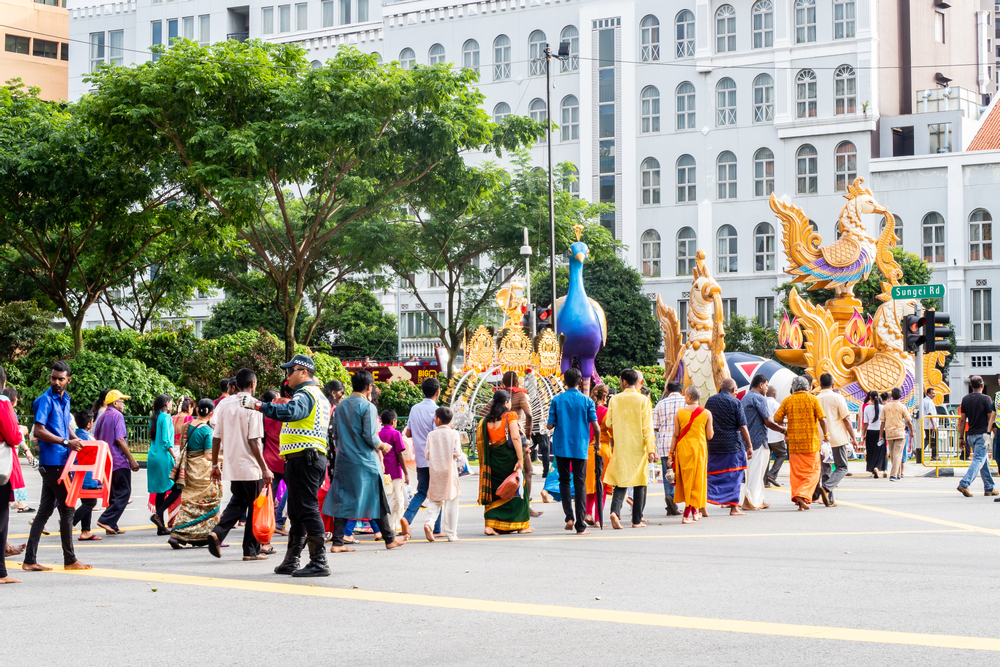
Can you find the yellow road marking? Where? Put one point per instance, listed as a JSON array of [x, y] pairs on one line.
[[77, 532], [918, 517], [553, 611]]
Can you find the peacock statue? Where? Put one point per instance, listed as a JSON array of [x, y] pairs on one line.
[[579, 318]]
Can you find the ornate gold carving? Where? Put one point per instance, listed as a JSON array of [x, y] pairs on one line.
[[512, 303], [578, 228], [933, 377], [548, 357], [480, 351], [515, 350], [825, 349]]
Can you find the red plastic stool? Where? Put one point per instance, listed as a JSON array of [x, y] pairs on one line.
[[95, 458]]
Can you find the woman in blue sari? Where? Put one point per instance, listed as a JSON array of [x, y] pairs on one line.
[[200, 498]]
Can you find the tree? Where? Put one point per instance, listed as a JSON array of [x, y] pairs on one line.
[[22, 324], [346, 141], [356, 317], [240, 311], [744, 334]]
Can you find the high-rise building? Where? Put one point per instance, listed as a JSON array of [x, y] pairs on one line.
[[35, 45]]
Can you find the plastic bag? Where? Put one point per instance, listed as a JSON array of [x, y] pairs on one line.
[[826, 452], [263, 516]]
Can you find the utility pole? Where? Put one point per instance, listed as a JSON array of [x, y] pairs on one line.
[[552, 212], [526, 251], [918, 371]]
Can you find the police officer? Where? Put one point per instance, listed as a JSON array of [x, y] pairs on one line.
[[302, 444]]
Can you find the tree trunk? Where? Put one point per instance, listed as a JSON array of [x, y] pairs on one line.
[[76, 326], [290, 336]]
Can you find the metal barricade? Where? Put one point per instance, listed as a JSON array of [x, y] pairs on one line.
[[940, 446]]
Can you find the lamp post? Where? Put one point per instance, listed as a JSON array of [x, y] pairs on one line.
[[526, 252], [562, 55]]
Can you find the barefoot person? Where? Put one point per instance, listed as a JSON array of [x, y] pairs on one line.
[[573, 416], [759, 424], [10, 437], [729, 449], [498, 440], [692, 430], [804, 413]]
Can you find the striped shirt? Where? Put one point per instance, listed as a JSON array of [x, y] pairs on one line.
[[664, 416]]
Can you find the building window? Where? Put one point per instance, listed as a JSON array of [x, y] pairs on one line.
[[687, 246], [725, 102], [45, 49], [64, 52], [765, 311], [897, 228], [725, 29], [933, 228], [686, 179], [571, 182], [420, 324], [572, 35], [436, 54], [805, 21], [570, 118], [537, 110], [650, 35], [980, 236], [726, 169], [806, 170], [981, 361], [846, 157], [727, 247], [940, 137], [470, 55], [763, 173], [982, 315], [650, 107], [536, 53], [845, 93], [501, 111], [650, 181], [805, 94], [285, 18], [728, 309], [434, 280], [116, 54], [843, 19], [328, 21], [651, 254], [302, 14], [763, 99], [763, 25], [763, 247], [685, 106], [362, 10], [97, 46], [685, 34], [22, 45], [939, 27], [407, 58], [501, 58], [267, 18], [187, 29]]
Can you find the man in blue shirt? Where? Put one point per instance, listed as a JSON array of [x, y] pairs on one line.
[[419, 424], [572, 415], [758, 416], [55, 440]]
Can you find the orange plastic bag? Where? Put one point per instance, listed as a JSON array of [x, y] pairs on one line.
[[263, 516]]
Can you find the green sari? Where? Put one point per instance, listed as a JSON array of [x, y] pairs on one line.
[[496, 463]]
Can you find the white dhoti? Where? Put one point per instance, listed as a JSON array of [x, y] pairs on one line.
[[756, 470], [397, 503]]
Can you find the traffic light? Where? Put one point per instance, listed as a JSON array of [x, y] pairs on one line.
[[544, 314], [913, 336], [936, 331]]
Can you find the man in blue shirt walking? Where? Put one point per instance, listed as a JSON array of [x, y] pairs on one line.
[[572, 415]]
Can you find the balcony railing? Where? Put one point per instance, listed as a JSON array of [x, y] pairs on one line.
[[238, 36]]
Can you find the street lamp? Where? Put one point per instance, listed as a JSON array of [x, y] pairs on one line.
[[526, 252], [562, 55]]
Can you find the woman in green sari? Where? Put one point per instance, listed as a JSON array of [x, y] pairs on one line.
[[498, 439], [200, 498]]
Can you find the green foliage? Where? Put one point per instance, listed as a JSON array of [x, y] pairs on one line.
[[356, 317], [327, 368], [744, 334], [243, 312], [399, 396], [614, 384], [655, 377], [22, 325]]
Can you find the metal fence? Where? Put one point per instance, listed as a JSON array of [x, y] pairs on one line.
[[939, 444]]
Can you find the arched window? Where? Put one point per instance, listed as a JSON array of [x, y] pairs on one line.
[[843, 19], [570, 118], [763, 25], [805, 21], [470, 55], [684, 24], [725, 29], [571, 181], [537, 110], [315, 64], [933, 231], [763, 99], [805, 94], [436, 54], [846, 157], [726, 165], [536, 53], [806, 170], [687, 246], [378, 56], [572, 35], [686, 179], [763, 247], [650, 35], [763, 173], [897, 229], [980, 236], [650, 181], [501, 58], [685, 106], [725, 102], [728, 252], [501, 111], [845, 91], [650, 106], [650, 253], [407, 58]]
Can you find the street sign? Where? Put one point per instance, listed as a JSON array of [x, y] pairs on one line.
[[918, 292]]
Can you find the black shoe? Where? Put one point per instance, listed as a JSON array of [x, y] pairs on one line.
[[213, 545], [317, 559], [158, 522], [672, 508], [291, 562]]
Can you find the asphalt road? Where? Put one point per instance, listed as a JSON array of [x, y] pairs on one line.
[[899, 573]]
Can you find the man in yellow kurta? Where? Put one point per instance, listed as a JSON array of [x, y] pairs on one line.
[[804, 412], [630, 421]]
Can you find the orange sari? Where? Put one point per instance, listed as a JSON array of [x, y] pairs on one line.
[[602, 412]]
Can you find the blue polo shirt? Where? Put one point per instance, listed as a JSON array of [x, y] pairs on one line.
[[571, 413], [52, 412]]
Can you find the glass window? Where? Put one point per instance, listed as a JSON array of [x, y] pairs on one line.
[[725, 29], [805, 21], [725, 102], [470, 55], [682, 318], [686, 179], [45, 49], [537, 110], [285, 18], [156, 38], [187, 28], [204, 29], [501, 111], [685, 106], [570, 118], [687, 246], [933, 231], [728, 250], [939, 27], [571, 181], [765, 311], [846, 157], [650, 109], [267, 19], [763, 99], [501, 58], [64, 52], [684, 41], [726, 166], [843, 19], [436, 54], [407, 58], [763, 173], [651, 253], [362, 11], [806, 170], [572, 35], [172, 30], [117, 44], [22, 45], [650, 181], [536, 53], [763, 247], [345, 12], [763, 25], [845, 93], [805, 94], [728, 309], [328, 18], [980, 236], [982, 315], [939, 135], [650, 35], [302, 15]]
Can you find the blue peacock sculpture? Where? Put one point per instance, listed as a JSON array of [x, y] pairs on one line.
[[579, 318]]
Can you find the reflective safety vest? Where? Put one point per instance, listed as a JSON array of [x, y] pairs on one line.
[[309, 432]]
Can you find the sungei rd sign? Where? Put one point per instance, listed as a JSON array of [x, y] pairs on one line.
[[918, 292]]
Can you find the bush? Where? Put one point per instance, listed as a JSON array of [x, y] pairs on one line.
[[614, 384], [399, 396], [222, 357], [656, 380], [329, 368], [22, 325]]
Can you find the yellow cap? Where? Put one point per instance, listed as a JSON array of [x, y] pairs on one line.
[[115, 395]]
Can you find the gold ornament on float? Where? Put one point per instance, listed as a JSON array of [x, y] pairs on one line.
[[480, 351], [515, 350], [547, 358]]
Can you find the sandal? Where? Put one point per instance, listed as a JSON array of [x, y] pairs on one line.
[[268, 552], [26, 510], [92, 538]]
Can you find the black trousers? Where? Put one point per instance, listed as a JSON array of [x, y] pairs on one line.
[[382, 523], [780, 452], [164, 500], [84, 512], [575, 471], [303, 477], [5, 495], [243, 495], [53, 497], [121, 491], [543, 446], [638, 502]]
